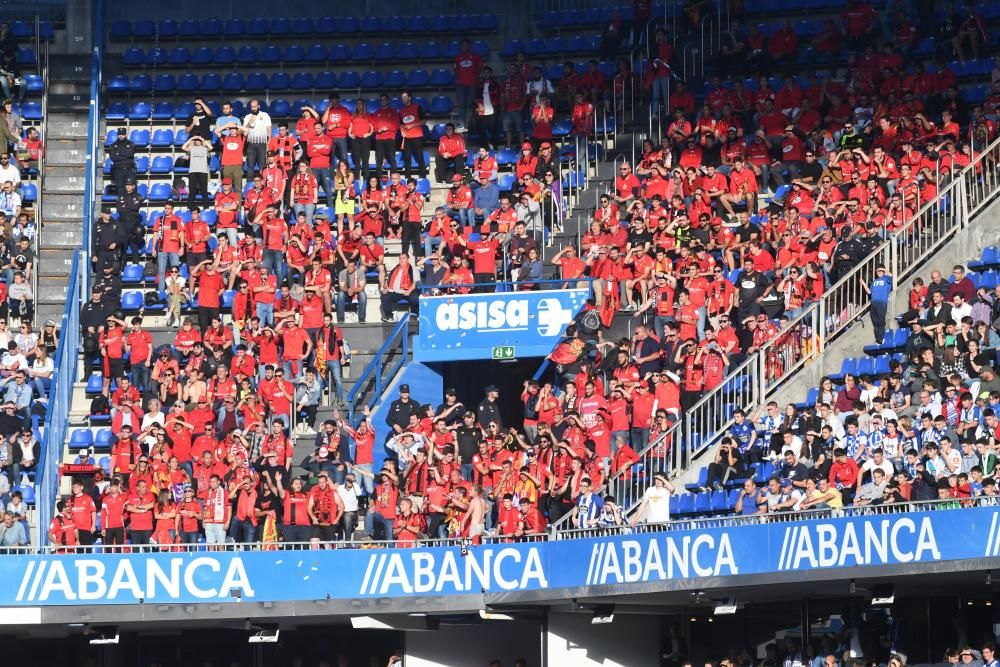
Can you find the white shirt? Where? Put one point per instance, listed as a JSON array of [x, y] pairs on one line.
[[657, 504], [487, 102], [261, 130], [349, 496], [150, 417], [10, 203], [10, 173], [957, 313]]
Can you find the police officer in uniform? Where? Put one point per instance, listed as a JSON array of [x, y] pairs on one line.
[[122, 154], [108, 240], [401, 409], [110, 283], [129, 204], [488, 409], [846, 254]]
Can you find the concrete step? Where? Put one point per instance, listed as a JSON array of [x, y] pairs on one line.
[[67, 152], [63, 232], [67, 87], [77, 101], [52, 290], [64, 208], [68, 185], [67, 126], [71, 68], [47, 311], [55, 262]]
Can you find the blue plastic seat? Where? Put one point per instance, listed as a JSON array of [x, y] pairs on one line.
[[210, 83], [303, 81], [83, 437], [440, 23], [441, 77], [162, 138], [441, 105], [349, 25], [156, 57], [34, 83], [140, 138], [362, 51], [371, 24], [235, 27], [160, 192], [162, 164], [133, 56], [280, 81], [394, 79], [120, 30], [179, 55], [233, 83], [143, 29], [302, 26], [139, 111], [293, 54], [211, 27], [418, 24], [116, 111], [165, 83], [418, 78], [132, 300], [339, 53], [224, 55], [29, 192], [256, 82], [719, 502], [325, 26], [140, 83], [349, 80], [247, 54], [685, 505], [325, 80], [317, 53], [385, 52], [203, 55], [167, 28], [280, 26], [371, 80], [189, 28]]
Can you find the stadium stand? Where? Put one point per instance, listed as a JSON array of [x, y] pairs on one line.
[[245, 181]]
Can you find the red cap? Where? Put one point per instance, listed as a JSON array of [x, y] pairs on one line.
[[526, 146], [227, 181], [457, 178]]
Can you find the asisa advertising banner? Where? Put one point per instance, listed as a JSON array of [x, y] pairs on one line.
[[503, 325], [647, 561]]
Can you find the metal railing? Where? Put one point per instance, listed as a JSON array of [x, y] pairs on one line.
[[675, 525], [93, 159], [388, 361], [60, 401], [43, 61], [737, 521]]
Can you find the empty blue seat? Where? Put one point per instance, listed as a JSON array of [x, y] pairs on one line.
[[294, 54], [133, 56], [303, 81], [167, 28], [316, 54], [302, 26], [394, 79], [349, 80], [179, 55], [371, 24], [120, 30], [371, 79], [280, 26], [418, 24], [132, 300], [140, 83], [349, 25], [224, 55], [132, 273], [202, 56], [442, 77], [440, 23], [189, 28], [719, 502], [280, 109], [247, 54], [165, 83], [139, 111], [233, 82], [140, 138], [362, 51], [325, 80], [256, 82], [30, 192], [95, 383], [162, 164], [27, 494], [211, 27], [156, 57], [701, 483], [440, 105], [143, 29], [882, 364], [162, 138], [385, 52], [339, 53], [116, 111], [270, 55], [280, 81], [160, 191], [685, 505], [325, 26], [82, 437], [34, 83], [210, 83], [418, 78], [235, 27]]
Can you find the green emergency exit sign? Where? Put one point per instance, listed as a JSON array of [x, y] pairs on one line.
[[503, 352]]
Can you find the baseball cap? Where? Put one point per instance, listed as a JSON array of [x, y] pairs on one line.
[[457, 178], [227, 181], [404, 389], [526, 146]]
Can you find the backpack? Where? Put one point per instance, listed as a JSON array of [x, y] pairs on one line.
[[151, 298], [150, 269], [589, 322], [100, 406]]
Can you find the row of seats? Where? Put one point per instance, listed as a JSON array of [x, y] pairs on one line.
[[296, 53], [26, 29], [870, 365], [277, 109], [284, 27], [259, 82]]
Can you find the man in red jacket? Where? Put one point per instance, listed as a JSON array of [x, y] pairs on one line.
[[450, 155]]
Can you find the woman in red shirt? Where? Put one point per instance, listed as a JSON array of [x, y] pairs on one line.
[[165, 513], [361, 132]]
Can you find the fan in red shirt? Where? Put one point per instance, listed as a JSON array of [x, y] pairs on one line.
[[582, 116]]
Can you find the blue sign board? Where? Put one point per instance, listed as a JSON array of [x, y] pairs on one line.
[[497, 325], [641, 558]]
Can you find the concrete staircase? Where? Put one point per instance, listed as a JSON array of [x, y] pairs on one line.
[[63, 180]]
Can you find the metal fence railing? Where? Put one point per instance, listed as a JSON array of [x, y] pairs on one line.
[[681, 524], [388, 361], [60, 400]]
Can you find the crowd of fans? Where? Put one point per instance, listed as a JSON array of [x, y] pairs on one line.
[[755, 199]]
